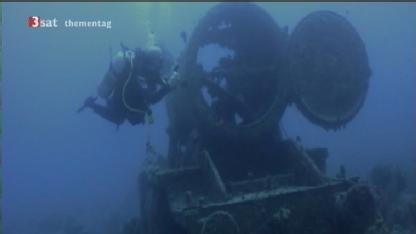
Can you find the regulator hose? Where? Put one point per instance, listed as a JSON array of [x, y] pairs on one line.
[[148, 118]]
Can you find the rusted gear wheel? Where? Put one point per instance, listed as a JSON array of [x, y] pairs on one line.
[[220, 222], [329, 69]]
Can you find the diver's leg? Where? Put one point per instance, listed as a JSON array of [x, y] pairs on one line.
[[136, 118], [108, 112]]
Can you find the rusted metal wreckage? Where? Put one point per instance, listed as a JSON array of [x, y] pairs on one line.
[[229, 170]]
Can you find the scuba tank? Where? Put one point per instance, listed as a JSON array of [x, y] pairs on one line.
[[118, 65], [105, 88]]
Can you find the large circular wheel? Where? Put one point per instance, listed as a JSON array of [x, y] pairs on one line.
[[242, 95], [328, 68]]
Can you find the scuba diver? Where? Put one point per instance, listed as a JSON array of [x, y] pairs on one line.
[[131, 85]]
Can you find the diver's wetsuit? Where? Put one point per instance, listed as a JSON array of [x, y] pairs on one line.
[[138, 95]]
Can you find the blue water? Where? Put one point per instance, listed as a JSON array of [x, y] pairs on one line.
[[59, 163]]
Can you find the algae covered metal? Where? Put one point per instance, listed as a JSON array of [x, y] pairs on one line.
[[329, 69], [229, 170]]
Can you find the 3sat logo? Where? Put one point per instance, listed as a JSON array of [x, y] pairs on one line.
[[37, 22]]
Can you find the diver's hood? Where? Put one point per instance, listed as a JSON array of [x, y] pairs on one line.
[[153, 52], [153, 57]]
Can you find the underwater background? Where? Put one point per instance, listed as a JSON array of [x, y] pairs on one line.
[[60, 165]]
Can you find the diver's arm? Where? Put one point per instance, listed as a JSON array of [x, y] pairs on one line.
[[156, 96]]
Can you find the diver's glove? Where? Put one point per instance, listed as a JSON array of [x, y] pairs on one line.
[[175, 80], [90, 101]]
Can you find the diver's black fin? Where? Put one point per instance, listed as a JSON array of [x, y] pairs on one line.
[[80, 109], [89, 99]]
